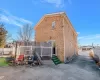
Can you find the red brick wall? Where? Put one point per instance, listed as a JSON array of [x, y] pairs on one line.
[[44, 32], [70, 40]]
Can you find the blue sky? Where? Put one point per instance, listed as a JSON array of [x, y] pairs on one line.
[[83, 14]]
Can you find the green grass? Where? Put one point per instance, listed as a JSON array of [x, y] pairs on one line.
[[3, 62]]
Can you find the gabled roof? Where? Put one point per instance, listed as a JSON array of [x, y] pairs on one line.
[[55, 14], [59, 13]]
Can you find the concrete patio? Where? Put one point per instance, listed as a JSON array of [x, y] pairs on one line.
[[82, 68]]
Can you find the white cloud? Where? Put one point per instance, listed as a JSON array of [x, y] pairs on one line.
[[10, 19], [57, 3], [78, 33], [89, 37]]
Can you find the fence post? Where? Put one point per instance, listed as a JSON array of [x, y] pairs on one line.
[[13, 50], [3, 51], [56, 51], [51, 48], [31, 50], [19, 50], [51, 51], [41, 51]]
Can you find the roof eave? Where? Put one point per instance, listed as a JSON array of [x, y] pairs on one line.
[[65, 16]]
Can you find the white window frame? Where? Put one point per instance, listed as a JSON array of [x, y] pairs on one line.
[[53, 24]]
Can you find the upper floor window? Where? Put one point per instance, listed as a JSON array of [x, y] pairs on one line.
[[53, 24]]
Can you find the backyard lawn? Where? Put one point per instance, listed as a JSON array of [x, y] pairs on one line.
[[3, 62]]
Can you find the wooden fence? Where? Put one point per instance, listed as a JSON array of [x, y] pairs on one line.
[[43, 49], [6, 51]]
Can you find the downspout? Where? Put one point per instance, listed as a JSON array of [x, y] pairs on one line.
[[64, 39]]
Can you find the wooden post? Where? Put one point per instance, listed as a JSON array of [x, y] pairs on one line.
[[31, 51], [18, 50], [15, 50], [41, 51], [56, 51], [2, 52], [51, 52], [52, 49]]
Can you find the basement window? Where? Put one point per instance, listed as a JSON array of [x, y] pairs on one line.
[[53, 24]]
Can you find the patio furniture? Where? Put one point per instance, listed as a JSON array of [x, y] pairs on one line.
[[11, 61], [30, 60], [20, 59]]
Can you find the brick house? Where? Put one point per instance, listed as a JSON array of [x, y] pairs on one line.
[[56, 26]]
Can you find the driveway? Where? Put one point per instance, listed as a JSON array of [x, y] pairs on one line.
[[82, 68]]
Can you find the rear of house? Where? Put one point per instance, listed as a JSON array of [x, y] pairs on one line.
[[58, 28]]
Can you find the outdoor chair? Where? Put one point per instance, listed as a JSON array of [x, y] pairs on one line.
[[30, 60], [20, 59]]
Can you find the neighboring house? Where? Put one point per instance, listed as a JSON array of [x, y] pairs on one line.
[[86, 48], [57, 27]]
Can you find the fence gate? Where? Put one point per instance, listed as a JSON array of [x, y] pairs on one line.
[[44, 49]]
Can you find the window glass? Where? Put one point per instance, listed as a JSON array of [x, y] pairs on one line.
[[53, 24]]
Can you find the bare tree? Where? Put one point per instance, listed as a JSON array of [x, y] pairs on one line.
[[25, 33], [8, 37]]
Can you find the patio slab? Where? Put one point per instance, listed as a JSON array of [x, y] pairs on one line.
[[80, 69]]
